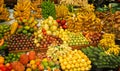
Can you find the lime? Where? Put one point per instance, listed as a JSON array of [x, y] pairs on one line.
[[29, 34], [4, 30], [24, 20], [19, 30], [24, 32], [1, 27], [27, 27], [31, 30]]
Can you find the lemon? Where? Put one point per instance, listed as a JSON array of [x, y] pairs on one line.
[[76, 65], [63, 67], [65, 63], [32, 62], [88, 62], [28, 69], [68, 66]]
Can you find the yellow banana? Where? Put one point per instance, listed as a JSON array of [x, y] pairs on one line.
[[13, 28]]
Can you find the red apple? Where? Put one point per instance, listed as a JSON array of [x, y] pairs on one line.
[[2, 68], [44, 31], [58, 20], [8, 66], [64, 26], [63, 22]]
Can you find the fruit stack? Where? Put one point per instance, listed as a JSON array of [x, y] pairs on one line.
[[49, 26], [4, 30], [117, 24], [20, 42], [93, 37], [32, 61], [108, 43], [6, 67], [27, 26], [77, 39], [4, 13], [47, 41], [12, 57], [75, 61], [54, 51], [100, 58], [62, 23]]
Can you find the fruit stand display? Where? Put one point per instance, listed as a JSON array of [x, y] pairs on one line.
[[72, 35]]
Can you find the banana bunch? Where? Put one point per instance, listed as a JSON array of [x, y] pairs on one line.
[[108, 44], [1, 2], [115, 49], [73, 23], [35, 6], [84, 20], [13, 28], [74, 2], [4, 13], [107, 41], [109, 36], [22, 9], [61, 11]]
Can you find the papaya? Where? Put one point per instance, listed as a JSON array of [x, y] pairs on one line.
[[32, 55], [1, 42]]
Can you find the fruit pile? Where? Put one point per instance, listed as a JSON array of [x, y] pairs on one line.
[[107, 40], [54, 51], [4, 13], [12, 57], [48, 9], [63, 34], [6, 67], [62, 11], [117, 24], [22, 9], [93, 37], [108, 43], [30, 61], [35, 6], [84, 20], [62, 23], [75, 61], [100, 59], [4, 31], [111, 22], [26, 26], [47, 41], [108, 22], [49, 26], [76, 39], [20, 42]]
